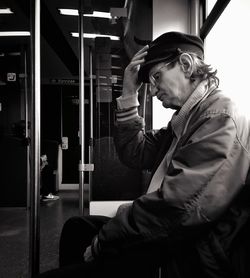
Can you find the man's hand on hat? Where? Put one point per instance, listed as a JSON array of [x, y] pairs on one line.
[[130, 79]]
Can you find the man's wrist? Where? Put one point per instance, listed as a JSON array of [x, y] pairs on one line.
[[127, 101], [126, 115]]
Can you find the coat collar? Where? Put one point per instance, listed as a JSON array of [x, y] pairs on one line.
[[180, 117]]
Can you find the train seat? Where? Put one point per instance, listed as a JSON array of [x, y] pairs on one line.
[[106, 208]]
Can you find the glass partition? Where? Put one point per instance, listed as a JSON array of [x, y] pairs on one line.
[[110, 39], [14, 137]]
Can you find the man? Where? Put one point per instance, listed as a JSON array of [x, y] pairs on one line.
[[47, 181], [194, 216]]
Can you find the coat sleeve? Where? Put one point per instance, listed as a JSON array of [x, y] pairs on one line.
[[138, 149], [197, 188]]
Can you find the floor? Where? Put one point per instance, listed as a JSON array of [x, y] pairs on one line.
[[14, 234]]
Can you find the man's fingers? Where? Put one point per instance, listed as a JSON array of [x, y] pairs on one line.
[[141, 53], [144, 49], [139, 56], [134, 64], [138, 59]]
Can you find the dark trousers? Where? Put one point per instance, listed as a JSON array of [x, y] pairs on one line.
[[47, 181], [179, 262], [77, 234]]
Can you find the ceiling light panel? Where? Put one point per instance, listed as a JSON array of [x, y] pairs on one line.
[[75, 13], [14, 34], [93, 36], [5, 11], [99, 14], [68, 12]]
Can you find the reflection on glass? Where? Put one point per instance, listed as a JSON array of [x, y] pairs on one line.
[[60, 117], [14, 140]]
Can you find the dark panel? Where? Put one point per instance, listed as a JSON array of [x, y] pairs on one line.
[[13, 158], [51, 112], [54, 36]]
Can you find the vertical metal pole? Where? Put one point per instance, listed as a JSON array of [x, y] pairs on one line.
[[195, 17], [81, 108], [144, 101], [35, 142], [27, 135], [91, 139], [109, 128]]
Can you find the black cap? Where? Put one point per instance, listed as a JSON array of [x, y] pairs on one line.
[[167, 47]]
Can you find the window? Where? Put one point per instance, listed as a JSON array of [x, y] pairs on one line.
[[226, 49]]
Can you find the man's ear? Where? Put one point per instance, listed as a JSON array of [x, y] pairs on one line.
[[186, 63]]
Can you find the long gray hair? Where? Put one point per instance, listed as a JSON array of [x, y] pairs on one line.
[[203, 71]]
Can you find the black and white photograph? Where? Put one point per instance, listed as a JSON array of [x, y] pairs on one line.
[[124, 139]]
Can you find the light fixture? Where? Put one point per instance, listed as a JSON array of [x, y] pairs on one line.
[[6, 11], [14, 34], [75, 13], [93, 36], [99, 14], [68, 12]]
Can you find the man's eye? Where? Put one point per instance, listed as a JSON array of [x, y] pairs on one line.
[[157, 76]]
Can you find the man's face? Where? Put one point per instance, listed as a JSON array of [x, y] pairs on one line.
[[166, 83]]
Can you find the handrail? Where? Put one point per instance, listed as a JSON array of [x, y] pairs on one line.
[[81, 109]]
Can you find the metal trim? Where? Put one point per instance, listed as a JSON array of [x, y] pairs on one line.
[[214, 15]]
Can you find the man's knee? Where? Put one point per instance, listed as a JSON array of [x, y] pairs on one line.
[[75, 220], [72, 224]]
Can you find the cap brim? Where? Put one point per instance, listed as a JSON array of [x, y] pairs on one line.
[[143, 74]]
